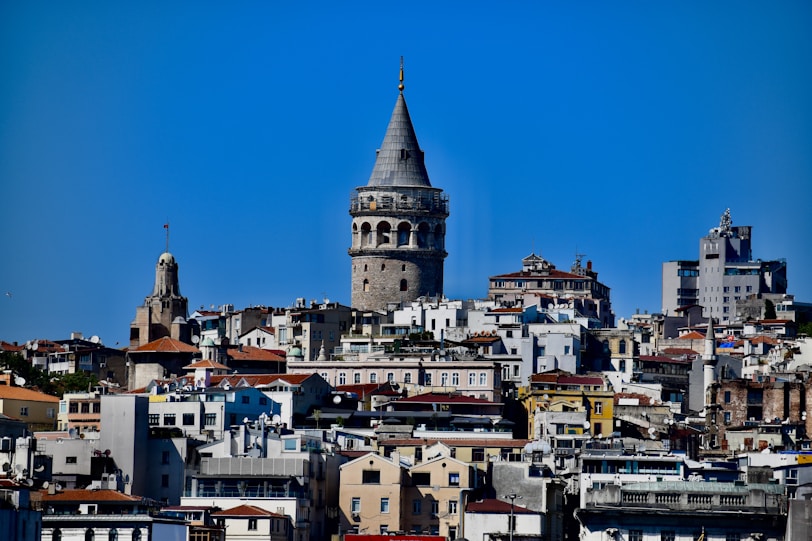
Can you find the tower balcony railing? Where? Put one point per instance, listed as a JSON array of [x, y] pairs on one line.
[[420, 201]]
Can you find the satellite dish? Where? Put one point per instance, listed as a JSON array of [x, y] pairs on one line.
[[72, 432], [45, 484], [195, 339], [276, 419], [95, 339], [337, 399], [245, 420], [586, 424], [19, 381], [652, 430], [58, 487], [35, 345], [29, 482]]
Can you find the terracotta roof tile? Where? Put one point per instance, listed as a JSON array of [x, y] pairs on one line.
[[167, 345], [11, 392], [440, 398], [85, 495], [680, 351], [206, 364], [693, 335], [249, 353], [246, 511]]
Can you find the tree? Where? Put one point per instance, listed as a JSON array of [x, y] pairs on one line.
[[769, 309]]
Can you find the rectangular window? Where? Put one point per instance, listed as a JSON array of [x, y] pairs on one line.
[[421, 479], [452, 507], [24, 411], [390, 377], [188, 419], [164, 457], [96, 407], [444, 379], [165, 481], [252, 524], [384, 505], [428, 378], [478, 454], [169, 419], [727, 397], [246, 399], [371, 477], [153, 419], [51, 413], [435, 507], [453, 479], [471, 379], [210, 419], [355, 507], [356, 378], [737, 289], [263, 400], [417, 506], [598, 408], [727, 417], [635, 535], [70, 460], [455, 379], [85, 407], [668, 535], [73, 407], [291, 444], [373, 378], [483, 379]]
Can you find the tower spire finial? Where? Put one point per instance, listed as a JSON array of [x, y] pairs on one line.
[[166, 226], [401, 85]]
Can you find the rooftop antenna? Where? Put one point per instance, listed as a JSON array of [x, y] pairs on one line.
[[166, 226], [401, 86]]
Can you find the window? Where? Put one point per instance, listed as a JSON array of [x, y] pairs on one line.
[[56, 535], [366, 283], [471, 379], [384, 505], [137, 534], [421, 479], [404, 285], [73, 407], [89, 535], [435, 507], [164, 457], [452, 507], [246, 399], [455, 379], [342, 378], [453, 479], [635, 535], [622, 347], [51, 413], [478, 454], [24, 411], [252, 524], [598, 408], [407, 377], [263, 400], [417, 506], [371, 477], [444, 379], [70, 460], [169, 419], [727, 397], [153, 419], [390, 377], [188, 419], [483, 378], [85, 407], [428, 378], [727, 418], [210, 419], [165, 481], [508, 334], [96, 407], [668, 535], [356, 378], [373, 377], [355, 506], [737, 289]]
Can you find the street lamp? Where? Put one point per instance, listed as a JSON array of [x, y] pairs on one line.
[[512, 497]]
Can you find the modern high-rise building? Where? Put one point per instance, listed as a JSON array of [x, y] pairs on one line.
[[398, 223], [724, 274]]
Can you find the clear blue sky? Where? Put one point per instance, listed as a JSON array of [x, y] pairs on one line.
[[620, 129]]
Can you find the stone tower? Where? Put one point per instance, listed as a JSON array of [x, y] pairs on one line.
[[164, 312], [398, 223]]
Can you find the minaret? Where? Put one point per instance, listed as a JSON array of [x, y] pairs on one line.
[[709, 360], [164, 312], [398, 222]]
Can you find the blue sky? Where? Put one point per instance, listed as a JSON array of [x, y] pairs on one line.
[[621, 130]]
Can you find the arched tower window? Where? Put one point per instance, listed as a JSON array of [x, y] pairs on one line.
[[112, 535], [366, 286], [439, 239], [383, 266], [384, 229], [423, 235], [89, 534], [56, 535], [366, 234], [404, 229], [404, 285]]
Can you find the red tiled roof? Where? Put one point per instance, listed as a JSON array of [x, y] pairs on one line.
[[206, 364], [249, 353], [580, 380], [167, 345], [510, 310], [498, 507], [693, 335], [246, 511], [255, 380], [440, 398], [645, 400], [5, 346], [774, 321], [85, 495], [11, 392], [362, 389], [680, 351], [482, 339]]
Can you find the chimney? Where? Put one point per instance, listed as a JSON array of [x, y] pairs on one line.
[[589, 265]]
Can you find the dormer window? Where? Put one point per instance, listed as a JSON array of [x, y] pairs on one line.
[[404, 154]]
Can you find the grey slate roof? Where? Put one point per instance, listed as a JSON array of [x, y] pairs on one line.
[[400, 160]]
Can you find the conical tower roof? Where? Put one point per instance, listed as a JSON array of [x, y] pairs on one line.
[[400, 160]]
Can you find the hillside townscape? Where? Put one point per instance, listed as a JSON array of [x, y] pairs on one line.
[[532, 414]]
